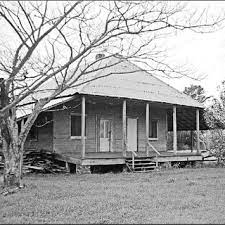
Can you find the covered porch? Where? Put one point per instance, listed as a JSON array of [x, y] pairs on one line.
[[177, 118]]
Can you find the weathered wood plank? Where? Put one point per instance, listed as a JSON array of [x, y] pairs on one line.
[[83, 127], [174, 129], [104, 155], [124, 117], [192, 143], [86, 162], [179, 158], [97, 137], [197, 129], [147, 124]]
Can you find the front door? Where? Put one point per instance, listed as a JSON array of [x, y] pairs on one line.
[[132, 134], [105, 135]]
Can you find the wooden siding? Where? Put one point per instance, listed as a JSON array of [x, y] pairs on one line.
[[62, 142], [44, 139], [160, 115]]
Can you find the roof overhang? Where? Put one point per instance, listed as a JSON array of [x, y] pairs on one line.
[[186, 119], [186, 116]]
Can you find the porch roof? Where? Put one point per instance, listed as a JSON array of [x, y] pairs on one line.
[[127, 80], [119, 78]]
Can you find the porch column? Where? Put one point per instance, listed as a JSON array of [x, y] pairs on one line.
[[83, 127], [197, 129], [166, 127], [192, 140], [124, 130], [147, 124], [174, 129]]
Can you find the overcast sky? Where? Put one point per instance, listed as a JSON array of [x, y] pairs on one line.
[[203, 52]]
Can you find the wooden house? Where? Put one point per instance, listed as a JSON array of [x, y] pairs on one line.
[[120, 118]]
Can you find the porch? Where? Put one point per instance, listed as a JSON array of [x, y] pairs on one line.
[[117, 158], [177, 118], [136, 140]]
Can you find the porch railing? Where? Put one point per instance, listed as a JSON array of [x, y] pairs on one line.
[[133, 153], [155, 150]]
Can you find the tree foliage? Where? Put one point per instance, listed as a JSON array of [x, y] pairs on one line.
[[215, 118], [215, 112], [197, 92]]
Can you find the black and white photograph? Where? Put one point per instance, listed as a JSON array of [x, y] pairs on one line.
[[112, 112]]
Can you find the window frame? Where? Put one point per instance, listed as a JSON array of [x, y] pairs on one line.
[[157, 130], [78, 137]]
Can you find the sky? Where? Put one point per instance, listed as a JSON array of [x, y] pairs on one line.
[[205, 53]]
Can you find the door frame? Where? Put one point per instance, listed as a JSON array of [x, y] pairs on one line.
[[98, 119]]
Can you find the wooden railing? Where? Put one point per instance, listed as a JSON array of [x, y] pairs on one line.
[[152, 147], [155, 150], [134, 154]]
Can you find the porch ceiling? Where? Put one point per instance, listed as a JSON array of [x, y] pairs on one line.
[[186, 119], [186, 116], [93, 99]]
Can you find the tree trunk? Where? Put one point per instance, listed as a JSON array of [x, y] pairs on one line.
[[12, 165]]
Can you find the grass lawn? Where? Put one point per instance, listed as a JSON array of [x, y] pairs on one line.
[[172, 196]]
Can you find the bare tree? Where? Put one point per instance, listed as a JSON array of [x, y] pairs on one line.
[[56, 41]]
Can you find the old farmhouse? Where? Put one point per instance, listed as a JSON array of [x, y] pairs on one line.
[[120, 119]]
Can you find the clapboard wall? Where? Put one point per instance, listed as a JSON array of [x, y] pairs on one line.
[[63, 143]]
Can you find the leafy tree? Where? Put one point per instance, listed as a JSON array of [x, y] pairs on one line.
[[215, 118], [58, 41], [197, 92]]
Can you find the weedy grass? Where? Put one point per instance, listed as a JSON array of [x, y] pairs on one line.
[[173, 196]]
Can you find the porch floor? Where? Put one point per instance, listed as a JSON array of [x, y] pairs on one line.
[[110, 158]]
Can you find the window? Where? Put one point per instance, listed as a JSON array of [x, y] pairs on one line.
[[153, 132], [76, 125]]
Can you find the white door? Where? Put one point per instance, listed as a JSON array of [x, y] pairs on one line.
[[105, 135], [132, 134]]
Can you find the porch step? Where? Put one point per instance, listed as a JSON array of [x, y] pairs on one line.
[[141, 164]]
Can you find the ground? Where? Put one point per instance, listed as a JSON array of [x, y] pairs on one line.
[[171, 196]]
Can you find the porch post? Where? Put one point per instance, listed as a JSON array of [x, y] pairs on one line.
[[197, 129], [192, 140], [166, 134], [83, 127], [174, 129], [147, 124], [124, 130]]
